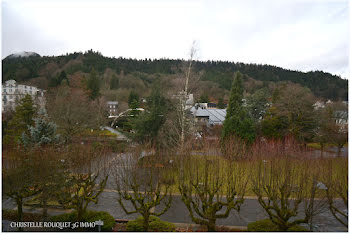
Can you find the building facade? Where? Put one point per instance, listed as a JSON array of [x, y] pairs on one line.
[[112, 108], [13, 92]]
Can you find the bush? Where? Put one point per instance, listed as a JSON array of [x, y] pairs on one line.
[[67, 217], [90, 216], [27, 217], [108, 220], [155, 225], [266, 225], [297, 228]]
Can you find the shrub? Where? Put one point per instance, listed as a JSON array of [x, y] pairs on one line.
[[266, 225], [297, 228], [27, 217], [90, 216], [108, 220], [155, 225], [67, 217]]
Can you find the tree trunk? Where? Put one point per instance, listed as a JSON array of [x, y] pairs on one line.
[[19, 202], [44, 209], [145, 222], [339, 150], [322, 147], [211, 225], [80, 216]]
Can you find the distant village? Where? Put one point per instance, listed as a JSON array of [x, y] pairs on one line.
[[203, 114]]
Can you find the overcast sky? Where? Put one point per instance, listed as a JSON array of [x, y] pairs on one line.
[[295, 34]]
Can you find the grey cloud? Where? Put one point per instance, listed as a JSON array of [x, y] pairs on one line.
[[19, 34]]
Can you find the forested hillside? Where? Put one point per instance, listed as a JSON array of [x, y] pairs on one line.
[[140, 73]]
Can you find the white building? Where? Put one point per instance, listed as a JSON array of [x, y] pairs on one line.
[[112, 108], [13, 92], [318, 105]]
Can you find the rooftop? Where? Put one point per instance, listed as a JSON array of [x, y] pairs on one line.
[[216, 116]]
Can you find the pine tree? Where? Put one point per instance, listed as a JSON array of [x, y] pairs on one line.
[[42, 133], [93, 85], [237, 122], [147, 125], [204, 98], [133, 100]]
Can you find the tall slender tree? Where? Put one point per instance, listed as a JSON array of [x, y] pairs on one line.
[[237, 122], [148, 123], [93, 85]]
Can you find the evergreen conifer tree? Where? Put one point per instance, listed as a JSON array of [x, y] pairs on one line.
[[42, 133], [147, 125], [237, 122], [133, 100], [93, 85], [24, 113]]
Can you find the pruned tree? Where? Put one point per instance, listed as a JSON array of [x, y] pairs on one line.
[[18, 177], [87, 178], [145, 184], [335, 180], [49, 173], [211, 187], [287, 190]]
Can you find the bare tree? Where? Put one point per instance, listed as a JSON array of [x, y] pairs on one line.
[[336, 184], [49, 173], [73, 112], [283, 185], [145, 184], [87, 177], [18, 177], [211, 187]]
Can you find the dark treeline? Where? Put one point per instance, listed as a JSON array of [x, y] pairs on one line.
[[324, 85]]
